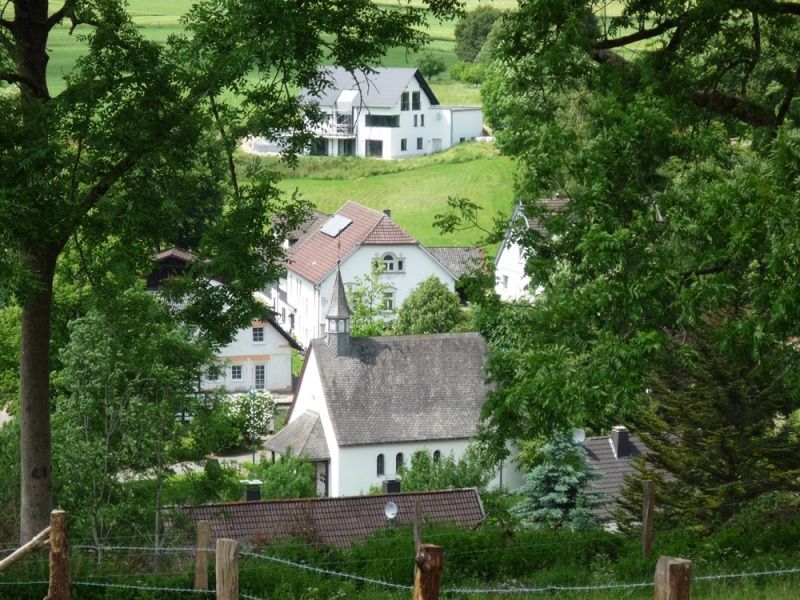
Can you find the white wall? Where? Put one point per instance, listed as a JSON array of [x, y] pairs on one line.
[[467, 124], [511, 282], [274, 353]]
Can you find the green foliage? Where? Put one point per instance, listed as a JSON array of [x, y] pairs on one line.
[[9, 357], [214, 427], [472, 73], [430, 308], [288, 477], [446, 472], [9, 479], [215, 484], [557, 490], [255, 413], [471, 31], [431, 63], [367, 300]]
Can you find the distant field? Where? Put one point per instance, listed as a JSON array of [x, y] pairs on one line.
[[419, 191]]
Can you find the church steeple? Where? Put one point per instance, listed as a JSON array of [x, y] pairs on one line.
[[338, 317]]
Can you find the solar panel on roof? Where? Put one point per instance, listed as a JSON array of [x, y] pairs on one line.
[[335, 225]]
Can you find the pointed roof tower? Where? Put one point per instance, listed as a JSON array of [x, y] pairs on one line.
[[338, 317]]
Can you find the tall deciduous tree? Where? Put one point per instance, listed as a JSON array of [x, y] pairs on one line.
[[431, 308], [112, 160], [672, 132]]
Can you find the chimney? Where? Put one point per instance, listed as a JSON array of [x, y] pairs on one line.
[[620, 442], [388, 212], [252, 489], [391, 486]]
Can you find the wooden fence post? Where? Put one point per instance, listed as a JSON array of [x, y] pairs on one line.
[[648, 508], [673, 579], [227, 569], [59, 557], [428, 577], [201, 558]]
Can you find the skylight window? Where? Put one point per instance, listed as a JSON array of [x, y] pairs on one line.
[[336, 225]]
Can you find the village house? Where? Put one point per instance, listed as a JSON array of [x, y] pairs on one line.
[[388, 113], [354, 238], [363, 406]]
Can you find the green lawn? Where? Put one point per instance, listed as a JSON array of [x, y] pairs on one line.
[[417, 189]]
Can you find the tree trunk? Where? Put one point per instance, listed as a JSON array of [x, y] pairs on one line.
[[35, 444]]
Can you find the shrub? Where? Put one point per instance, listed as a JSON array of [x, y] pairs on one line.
[[431, 63]]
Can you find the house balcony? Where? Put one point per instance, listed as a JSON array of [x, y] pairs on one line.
[[333, 129]]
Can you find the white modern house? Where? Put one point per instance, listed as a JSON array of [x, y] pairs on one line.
[[387, 113], [363, 406], [354, 238], [511, 282]]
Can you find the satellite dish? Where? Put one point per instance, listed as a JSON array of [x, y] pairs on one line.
[[390, 510], [578, 436]]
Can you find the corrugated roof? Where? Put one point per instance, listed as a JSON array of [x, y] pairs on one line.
[[316, 256], [404, 388], [304, 436], [332, 521], [379, 89], [459, 261]]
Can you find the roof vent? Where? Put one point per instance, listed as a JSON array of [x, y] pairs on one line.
[[388, 212], [336, 225], [391, 486], [620, 441]]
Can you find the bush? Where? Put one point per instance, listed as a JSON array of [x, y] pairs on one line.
[[431, 308], [289, 477], [473, 73], [431, 64]]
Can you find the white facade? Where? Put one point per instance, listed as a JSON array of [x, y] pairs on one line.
[[511, 282], [352, 470], [259, 358], [305, 303], [413, 126]]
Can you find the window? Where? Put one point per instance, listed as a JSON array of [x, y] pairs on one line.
[[347, 148], [381, 469], [375, 148], [414, 100], [461, 140], [398, 461], [436, 456], [388, 301], [422, 120], [283, 315], [400, 264], [505, 281], [319, 147], [382, 120], [419, 143], [261, 377], [236, 372], [388, 262], [404, 101], [258, 334], [415, 120], [403, 145]]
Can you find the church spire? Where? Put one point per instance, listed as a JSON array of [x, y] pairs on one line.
[[338, 317]]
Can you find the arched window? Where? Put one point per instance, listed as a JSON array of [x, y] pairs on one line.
[[398, 461], [388, 262], [436, 456], [381, 469]]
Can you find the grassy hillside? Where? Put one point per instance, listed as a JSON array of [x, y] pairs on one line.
[[414, 189]]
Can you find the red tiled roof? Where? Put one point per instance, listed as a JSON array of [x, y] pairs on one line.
[[333, 521], [317, 255]]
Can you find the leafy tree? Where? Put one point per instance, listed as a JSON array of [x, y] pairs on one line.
[[679, 164], [117, 162], [367, 300], [9, 357], [471, 31], [9, 478], [446, 472], [290, 477], [255, 411], [126, 374], [556, 490], [431, 63], [712, 438], [431, 308]]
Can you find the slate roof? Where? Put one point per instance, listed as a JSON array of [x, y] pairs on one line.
[[332, 521], [459, 261], [379, 89], [304, 436], [552, 206], [601, 455], [338, 308], [316, 256], [404, 388]]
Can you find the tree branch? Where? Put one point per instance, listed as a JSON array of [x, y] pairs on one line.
[[787, 101], [57, 16], [5, 23], [18, 79], [642, 34], [787, 8]]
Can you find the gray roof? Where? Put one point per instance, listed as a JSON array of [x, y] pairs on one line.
[[601, 455], [304, 436], [459, 261], [404, 388], [378, 89], [338, 309]]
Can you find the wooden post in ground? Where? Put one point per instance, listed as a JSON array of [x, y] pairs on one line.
[[673, 579], [648, 508], [201, 558], [59, 557], [428, 577], [227, 569], [417, 532]]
